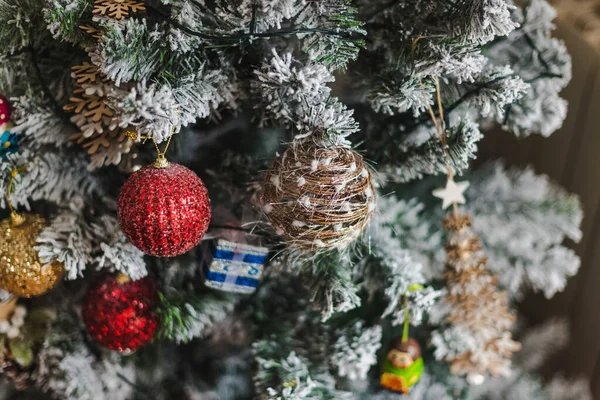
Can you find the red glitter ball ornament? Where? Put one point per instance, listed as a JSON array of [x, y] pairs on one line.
[[4, 110], [164, 212], [119, 313]]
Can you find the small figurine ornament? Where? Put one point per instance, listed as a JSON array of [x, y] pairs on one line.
[[403, 366]]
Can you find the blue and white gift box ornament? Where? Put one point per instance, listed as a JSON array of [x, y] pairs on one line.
[[234, 267]]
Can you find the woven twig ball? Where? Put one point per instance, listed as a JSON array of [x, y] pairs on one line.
[[318, 197]]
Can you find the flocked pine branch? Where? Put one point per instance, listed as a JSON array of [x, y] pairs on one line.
[[158, 108], [50, 176], [544, 63], [21, 24], [428, 157], [296, 381], [355, 351], [132, 51], [63, 19], [329, 281], [395, 93], [68, 368], [399, 271], [298, 97], [69, 240], [115, 253], [184, 318], [531, 218], [329, 30], [38, 123]]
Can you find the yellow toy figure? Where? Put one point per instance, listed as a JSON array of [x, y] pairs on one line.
[[403, 366]]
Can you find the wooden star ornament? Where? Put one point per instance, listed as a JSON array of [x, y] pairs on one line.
[[452, 193]]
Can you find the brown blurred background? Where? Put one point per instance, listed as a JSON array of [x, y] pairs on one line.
[[571, 157]]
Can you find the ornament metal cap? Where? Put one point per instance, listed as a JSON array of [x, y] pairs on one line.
[[161, 162], [17, 219], [121, 278]]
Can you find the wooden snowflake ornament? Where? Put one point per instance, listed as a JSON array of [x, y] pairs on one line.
[[117, 9], [87, 73], [99, 133], [93, 107], [94, 32]]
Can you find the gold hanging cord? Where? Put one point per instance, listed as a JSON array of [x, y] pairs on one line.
[[17, 219], [161, 160], [440, 126]]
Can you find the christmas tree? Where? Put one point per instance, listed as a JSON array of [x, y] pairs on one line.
[[236, 199]]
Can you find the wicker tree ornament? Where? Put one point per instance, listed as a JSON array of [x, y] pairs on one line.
[[477, 309], [476, 305], [318, 197]]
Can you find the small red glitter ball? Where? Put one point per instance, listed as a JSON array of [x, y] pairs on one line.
[[4, 110], [164, 212], [119, 314]]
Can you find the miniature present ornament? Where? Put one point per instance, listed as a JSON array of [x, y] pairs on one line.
[[234, 267]]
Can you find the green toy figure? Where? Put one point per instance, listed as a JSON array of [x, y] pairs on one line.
[[403, 365]]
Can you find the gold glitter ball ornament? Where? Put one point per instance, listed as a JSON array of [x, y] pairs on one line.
[[21, 272]]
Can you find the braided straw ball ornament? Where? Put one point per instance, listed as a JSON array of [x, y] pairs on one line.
[[318, 197]]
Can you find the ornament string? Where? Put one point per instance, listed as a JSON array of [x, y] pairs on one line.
[[452, 194], [406, 326], [161, 160], [440, 128], [16, 218]]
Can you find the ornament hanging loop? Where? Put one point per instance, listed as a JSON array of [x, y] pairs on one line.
[[16, 218], [406, 326], [161, 161], [440, 128]]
